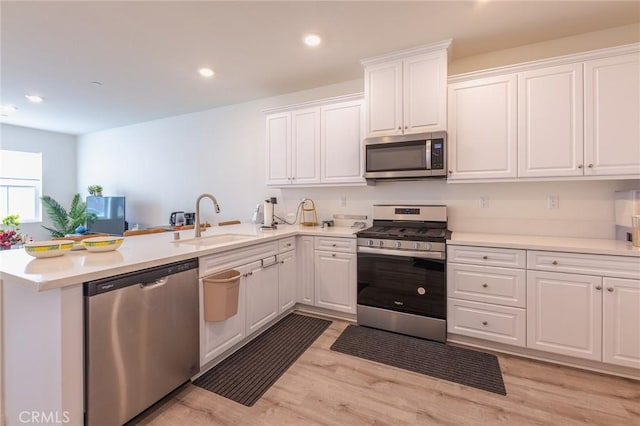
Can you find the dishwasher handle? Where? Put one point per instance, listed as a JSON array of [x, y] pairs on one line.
[[150, 285]]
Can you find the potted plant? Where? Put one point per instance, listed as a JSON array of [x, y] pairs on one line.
[[66, 222], [95, 190], [10, 235]]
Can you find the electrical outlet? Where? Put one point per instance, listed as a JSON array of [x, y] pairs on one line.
[[553, 202], [343, 201], [484, 202]]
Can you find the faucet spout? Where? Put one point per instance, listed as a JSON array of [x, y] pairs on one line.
[[215, 205]]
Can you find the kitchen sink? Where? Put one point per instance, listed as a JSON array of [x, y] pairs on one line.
[[215, 239]]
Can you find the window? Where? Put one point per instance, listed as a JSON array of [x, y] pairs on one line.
[[21, 184]]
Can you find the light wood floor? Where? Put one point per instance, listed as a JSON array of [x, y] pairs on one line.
[[329, 388]]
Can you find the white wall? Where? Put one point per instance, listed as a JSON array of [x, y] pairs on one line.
[[163, 165], [58, 166]]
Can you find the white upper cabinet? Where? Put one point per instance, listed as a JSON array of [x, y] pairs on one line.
[[550, 138], [482, 126], [567, 117], [317, 143], [612, 115], [293, 147], [341, 136], [405, 92]]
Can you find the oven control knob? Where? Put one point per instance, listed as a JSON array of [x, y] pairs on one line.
[[421, 291], [398, 244], [380, 243], [370, 242]]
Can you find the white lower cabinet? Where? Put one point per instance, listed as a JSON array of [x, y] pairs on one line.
[[621, 322], [286, 280], [262, 295], [564, 314], [574, 304], [327, 273], [305, 287], [335, 276]]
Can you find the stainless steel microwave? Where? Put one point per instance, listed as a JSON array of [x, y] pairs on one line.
[[406, 157]]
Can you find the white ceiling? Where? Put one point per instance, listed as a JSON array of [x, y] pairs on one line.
[[146, 53]]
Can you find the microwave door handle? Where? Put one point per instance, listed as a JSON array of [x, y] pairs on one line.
[[428, 154]]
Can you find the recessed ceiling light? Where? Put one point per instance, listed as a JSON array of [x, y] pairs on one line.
[[34, 98], [206, 72], [312, 40]]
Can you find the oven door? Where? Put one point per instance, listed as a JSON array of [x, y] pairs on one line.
[[403, 284]]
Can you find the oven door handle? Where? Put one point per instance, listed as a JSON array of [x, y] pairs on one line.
[[403, 253]]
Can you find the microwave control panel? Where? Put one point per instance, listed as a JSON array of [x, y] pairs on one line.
[[437, 154]]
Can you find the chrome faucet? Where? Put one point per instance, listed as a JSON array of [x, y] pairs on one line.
[[215, 204]]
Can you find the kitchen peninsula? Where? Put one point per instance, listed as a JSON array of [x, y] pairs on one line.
[[42, 299]]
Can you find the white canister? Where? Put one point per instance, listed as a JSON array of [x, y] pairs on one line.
[[268, 214], [635, 230]]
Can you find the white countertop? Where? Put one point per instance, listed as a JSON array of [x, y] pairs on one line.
[[531, 242], [137, 252], [145, 251]]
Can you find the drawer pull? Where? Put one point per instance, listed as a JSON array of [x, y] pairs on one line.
[[333, 245], [333, 255], [555, 262], [598, 287], [485, 323], [485, 257], [485, 285], [610, 289], [288, 244]]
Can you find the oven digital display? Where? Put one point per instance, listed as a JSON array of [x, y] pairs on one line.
[[407, 211]]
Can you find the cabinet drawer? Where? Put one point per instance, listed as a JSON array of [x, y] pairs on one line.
[[286, 244], [501, 286], [586, 264], [335, 244], [486, 256], [489, 322], [233, 258]]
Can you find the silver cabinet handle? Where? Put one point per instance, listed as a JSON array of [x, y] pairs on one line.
[[598, 287], [610, 289]]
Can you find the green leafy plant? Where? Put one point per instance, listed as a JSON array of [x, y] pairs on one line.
[[66, 222], [95, 190]]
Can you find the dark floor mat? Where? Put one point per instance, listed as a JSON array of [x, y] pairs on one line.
[[452, 363], [247, 374]]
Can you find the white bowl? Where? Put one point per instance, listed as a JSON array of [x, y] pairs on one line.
[[102, 243], [51, 248]]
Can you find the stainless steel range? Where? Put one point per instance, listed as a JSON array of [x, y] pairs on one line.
[[402, 271]]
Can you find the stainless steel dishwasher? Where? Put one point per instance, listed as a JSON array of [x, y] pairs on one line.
[[141, 339]]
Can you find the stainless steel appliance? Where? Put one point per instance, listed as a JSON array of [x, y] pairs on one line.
[[402, 271], [141, 339], [406, 156], [176, 219]]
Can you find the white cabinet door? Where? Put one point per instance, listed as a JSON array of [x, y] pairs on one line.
[[335, 281], [564, 314], [218, 336], [305, 254], [621, 322], [612, 116], [262, 296], [286, 281], [424, 88], [383, 97], [550, 129], [482, 129], [341, 142], [278, 148], [305, 146]]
